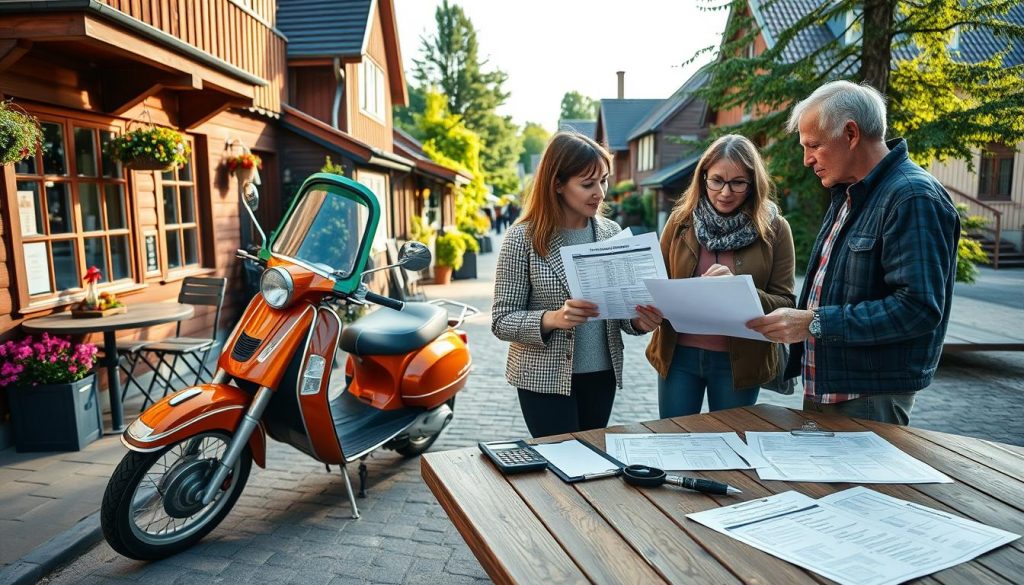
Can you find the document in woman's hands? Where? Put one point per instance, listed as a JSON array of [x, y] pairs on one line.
[[611, 273], [719, 305]]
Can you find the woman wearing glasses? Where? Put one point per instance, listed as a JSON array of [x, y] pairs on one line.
[[725, 223]]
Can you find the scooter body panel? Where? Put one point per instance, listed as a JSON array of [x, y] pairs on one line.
[[313, 383], [436, 372], [265, 341], [213, 407], [376, 379]]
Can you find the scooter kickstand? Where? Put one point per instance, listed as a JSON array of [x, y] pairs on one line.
[[362, 479], [348, 490]]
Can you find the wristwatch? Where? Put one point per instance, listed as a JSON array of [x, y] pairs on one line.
[[815, 325]]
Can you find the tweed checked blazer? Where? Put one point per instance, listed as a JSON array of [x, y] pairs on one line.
[[525, 286]]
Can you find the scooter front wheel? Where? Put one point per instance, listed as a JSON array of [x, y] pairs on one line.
[[152, 507]]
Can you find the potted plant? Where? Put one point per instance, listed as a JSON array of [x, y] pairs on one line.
[[243, 166], [450, 247], [52, 393], [20, 134], [468, 268], [152, 148]]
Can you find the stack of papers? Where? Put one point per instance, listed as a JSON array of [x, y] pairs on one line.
[[855, 536], [684, 451], [842, 457]]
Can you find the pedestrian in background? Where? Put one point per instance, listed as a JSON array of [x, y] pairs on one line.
[[565, 363], [726, 223], [875, 303]]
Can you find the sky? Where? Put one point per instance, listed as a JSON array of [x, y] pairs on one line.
[[549, 47]]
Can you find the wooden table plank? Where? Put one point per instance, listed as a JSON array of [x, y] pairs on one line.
[[993, 455], [511, 543], [592, 543]]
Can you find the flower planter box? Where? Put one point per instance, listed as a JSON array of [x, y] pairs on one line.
[[148, 164], [468, 269], [55, 417]]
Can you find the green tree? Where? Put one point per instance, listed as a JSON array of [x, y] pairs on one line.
[[451, 63], [943, 104], [534, 138], [576, 106], [404, 116]]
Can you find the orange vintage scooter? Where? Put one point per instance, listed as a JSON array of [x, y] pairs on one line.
[[191, 453]]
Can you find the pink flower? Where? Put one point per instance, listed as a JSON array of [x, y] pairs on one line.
[[72, 369]]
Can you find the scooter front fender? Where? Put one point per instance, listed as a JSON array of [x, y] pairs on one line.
[[206, 407]]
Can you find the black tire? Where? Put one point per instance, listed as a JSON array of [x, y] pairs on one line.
[[410, 447], [170, 472]]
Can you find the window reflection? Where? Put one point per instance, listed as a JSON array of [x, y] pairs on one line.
[[89, 201], [325, 230], [85, 153], [54, 159], [58, 208], [65, 265]]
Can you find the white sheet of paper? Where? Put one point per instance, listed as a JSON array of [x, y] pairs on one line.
[[718, 305], [857, 457], [626, 233], [683, 451], [611, 273], [855, 536], [37, 267], [574, 458], [27, 213]]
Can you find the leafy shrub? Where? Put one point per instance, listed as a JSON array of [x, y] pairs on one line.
[[20, 135], [155, 144]]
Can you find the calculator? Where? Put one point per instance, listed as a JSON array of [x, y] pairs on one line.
[[513, 456]]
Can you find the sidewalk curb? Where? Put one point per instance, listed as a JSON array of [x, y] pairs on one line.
[[59, 550]]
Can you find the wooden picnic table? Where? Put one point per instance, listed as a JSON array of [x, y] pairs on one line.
[[533, 528]]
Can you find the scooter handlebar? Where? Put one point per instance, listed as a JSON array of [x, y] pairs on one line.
[[385, 301]]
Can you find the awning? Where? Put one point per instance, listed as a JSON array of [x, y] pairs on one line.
[[672, 173]]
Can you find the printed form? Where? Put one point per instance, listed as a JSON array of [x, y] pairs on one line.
[[857, 457], [855, 536], [683, 451], [611, 273]]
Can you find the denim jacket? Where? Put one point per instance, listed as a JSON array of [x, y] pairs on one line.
[[888, 287]]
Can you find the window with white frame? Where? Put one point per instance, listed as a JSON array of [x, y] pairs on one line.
[[645, 153], [371, 89], [377, 183]]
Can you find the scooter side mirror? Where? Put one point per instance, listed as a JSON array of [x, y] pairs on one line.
[[414, 256], [251, 200]]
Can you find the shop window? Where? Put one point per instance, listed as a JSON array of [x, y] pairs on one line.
[[180, 226], [995, 173], [72, 203]]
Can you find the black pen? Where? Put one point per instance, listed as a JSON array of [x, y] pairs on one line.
[[702, 485]]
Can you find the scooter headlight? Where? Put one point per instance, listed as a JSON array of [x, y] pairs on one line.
[[277, 287]]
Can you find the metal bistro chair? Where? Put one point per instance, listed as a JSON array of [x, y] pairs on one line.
[[195, 290]]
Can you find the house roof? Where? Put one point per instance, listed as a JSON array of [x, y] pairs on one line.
[[411, 148], [679, 100], [584, 127], [619, 117], [672, 173], [775, 16], [311, 33], [334, 28], [340, 142]]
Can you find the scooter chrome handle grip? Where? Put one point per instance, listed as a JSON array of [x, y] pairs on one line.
[[385, 301]]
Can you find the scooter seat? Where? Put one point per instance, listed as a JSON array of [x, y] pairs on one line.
[[390, 332]]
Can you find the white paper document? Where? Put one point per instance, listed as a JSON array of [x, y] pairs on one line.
[[856, 536], [574, 458], [713, 305], [860, 457], [611, 273], [683, 451]]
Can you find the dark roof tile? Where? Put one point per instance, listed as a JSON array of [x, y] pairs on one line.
[[621, 116], [323, 28]]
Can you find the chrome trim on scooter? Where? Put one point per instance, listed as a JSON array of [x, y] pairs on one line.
[[465, 373], [298, 387], [184, 395], [150, 439], [276, 341]]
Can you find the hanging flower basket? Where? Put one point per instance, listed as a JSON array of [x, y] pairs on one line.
[[20, 134], [150, 148], [244, 166]]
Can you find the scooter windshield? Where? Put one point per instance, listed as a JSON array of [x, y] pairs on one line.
[[324, 231]]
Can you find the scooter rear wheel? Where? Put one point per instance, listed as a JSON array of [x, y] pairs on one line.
[[151, 507]]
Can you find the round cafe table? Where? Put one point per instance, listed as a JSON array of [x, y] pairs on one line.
[[139, 315]]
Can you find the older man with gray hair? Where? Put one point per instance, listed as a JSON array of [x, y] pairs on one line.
[[875, 303]]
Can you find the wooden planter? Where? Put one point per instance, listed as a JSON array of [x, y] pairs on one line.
[[56, 417], [148, 164]]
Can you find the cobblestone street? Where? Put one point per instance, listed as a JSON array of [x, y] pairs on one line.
[[292, 522]]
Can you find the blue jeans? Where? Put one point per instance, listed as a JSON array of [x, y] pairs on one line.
[[691, 372]]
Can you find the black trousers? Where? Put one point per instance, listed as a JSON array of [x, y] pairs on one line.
[[588, 407]]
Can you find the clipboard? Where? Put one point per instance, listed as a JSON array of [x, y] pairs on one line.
[[563, 451]]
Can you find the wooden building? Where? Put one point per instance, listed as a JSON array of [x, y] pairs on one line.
[[225, 74]]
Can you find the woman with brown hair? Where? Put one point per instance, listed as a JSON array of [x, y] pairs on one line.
[[726, 223], [565, 363]]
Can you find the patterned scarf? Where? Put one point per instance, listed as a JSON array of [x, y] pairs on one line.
[[717, 232]]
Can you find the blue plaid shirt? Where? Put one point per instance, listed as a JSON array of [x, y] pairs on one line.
[[885, 298]]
